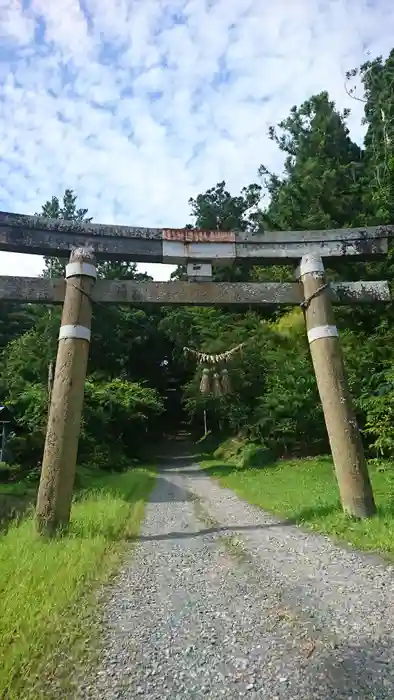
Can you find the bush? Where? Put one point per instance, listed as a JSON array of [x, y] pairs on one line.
[[9, 472], [257, 455], [118, 418], [242, 453], [379, 415]]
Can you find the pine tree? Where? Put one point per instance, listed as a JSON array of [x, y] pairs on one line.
[[52, 209], [321, 187], [377, 78]]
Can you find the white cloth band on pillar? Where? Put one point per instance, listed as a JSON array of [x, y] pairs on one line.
[[79, 332], [322, 332], [312, 262], [77, 268]]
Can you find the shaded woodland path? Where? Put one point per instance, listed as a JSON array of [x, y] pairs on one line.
[[219, 600]]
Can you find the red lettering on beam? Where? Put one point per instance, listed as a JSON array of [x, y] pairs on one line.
[[198, 236]]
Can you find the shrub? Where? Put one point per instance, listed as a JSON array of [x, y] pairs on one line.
[[242, 453], [9, 472], [118, 417]]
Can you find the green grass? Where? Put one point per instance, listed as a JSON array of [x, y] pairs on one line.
[[17, 488], [49, 589], [305, 491]]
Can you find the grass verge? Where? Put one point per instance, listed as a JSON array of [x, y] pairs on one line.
[[49, 620], [305, 491]]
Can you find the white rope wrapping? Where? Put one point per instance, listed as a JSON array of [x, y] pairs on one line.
[[76, 332], [78, 268], [322, 332], [312, 262]]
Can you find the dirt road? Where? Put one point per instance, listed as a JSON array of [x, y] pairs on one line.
[[219, 600]]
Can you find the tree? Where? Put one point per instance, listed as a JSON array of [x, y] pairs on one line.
[[52, 209], [127, 355], [377, 80], [321, 186], [324, 185], [14, 320], [218, 210], [120, 270], [55, 267]]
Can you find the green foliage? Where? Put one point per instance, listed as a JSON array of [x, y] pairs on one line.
[[127, 379], [289, 416], [379, 414], [377, 80], [52, 209], [140, 384], [26, 358], [217, 209], [9, 472], [243, 454], [321, 162], [119, 414], [274, 398], [14, 320]]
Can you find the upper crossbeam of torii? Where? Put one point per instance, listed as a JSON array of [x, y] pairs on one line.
[[21, 233]]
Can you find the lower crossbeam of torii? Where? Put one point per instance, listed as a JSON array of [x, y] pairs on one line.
[[198, 250], [40, 290]]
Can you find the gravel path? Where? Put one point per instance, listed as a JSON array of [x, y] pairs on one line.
[[221, 601]]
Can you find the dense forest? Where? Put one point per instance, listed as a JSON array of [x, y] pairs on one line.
[[141, 385]]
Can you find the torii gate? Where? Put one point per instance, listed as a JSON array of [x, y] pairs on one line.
[[85, 242]]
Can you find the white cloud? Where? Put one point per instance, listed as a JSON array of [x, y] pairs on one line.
[[140, 104], [14, 24]]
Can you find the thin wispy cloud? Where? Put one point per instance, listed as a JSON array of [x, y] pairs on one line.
[[138, 105]]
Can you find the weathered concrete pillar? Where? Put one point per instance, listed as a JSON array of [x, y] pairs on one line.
[[61, 444], [347, 450]]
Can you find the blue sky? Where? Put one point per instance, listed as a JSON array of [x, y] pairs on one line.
[[138, 105]]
